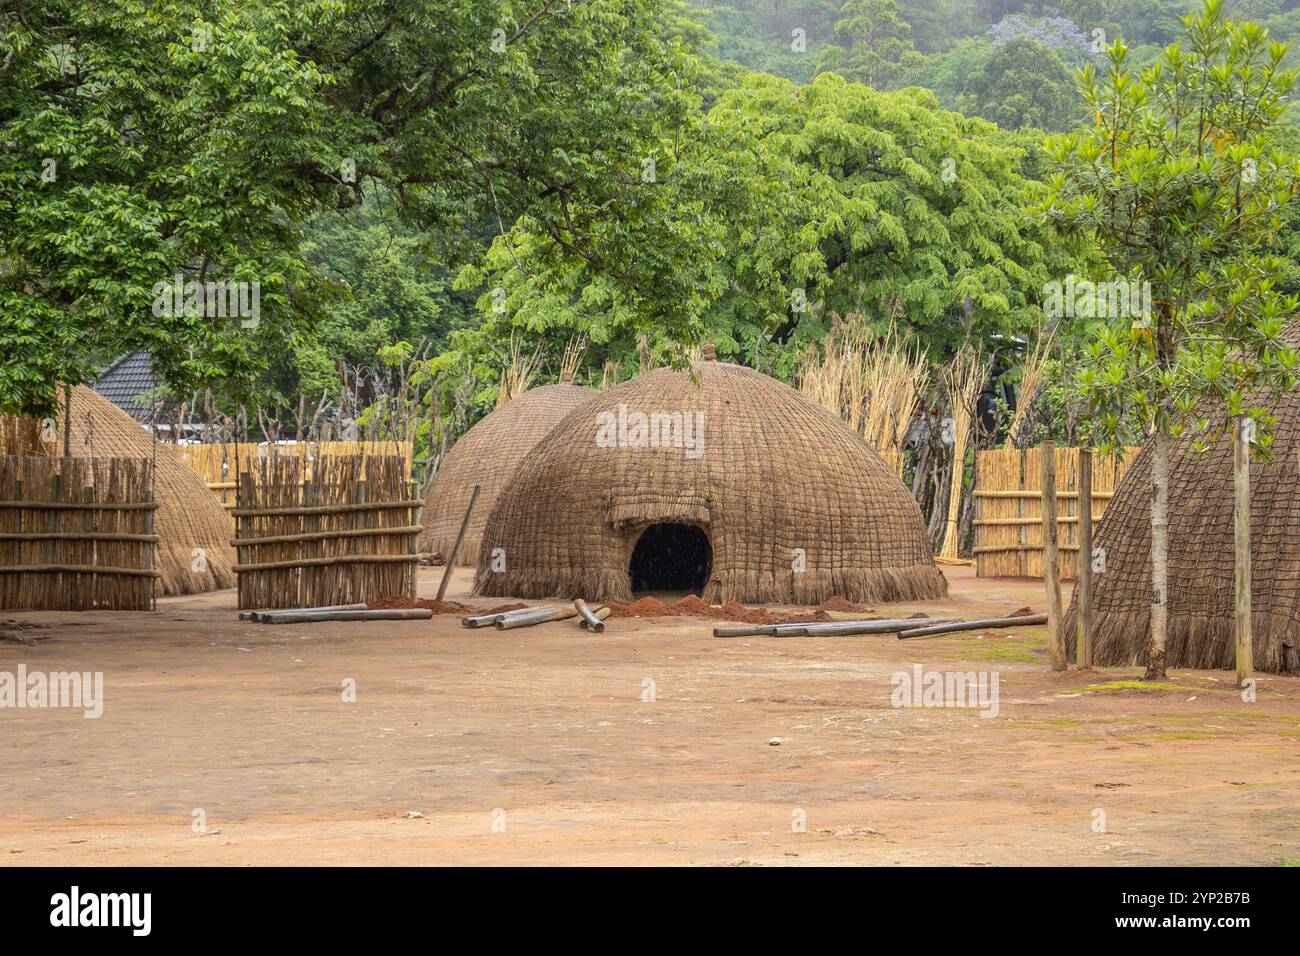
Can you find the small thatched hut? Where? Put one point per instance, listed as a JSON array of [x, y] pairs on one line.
[[1201, 629], [189, 515], [718, 480], [487, 455]]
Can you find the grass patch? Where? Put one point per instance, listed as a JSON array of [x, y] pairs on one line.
[[1189, 735], [1005, 653], [1294, 861], [1116, 686]]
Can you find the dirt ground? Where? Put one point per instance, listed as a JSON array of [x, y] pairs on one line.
[[649, 744]]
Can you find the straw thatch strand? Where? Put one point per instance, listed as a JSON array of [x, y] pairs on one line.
[[189, 515], [487, 455], [1201, 591], [767, 475]]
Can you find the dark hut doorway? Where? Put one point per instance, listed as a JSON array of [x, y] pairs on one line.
[[671, 557]]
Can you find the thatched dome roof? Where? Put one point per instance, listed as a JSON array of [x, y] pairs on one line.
[[1201, 592], [487, 455], [189, 515], [776, 477]]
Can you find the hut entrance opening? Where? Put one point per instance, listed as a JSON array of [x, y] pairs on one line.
[[671, 556]]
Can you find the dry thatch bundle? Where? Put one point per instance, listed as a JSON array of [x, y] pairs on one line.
[[487, 455], [716, 479], [1031, 380], [872, 384], [189, 515], [963, 380], [518, 372], [1201, 630]]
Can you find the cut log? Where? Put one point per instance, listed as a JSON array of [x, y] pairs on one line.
[[311, 617], [542, 616], [263, 615], [598, 625], [831, 628], [1028, 619], [487, 620]]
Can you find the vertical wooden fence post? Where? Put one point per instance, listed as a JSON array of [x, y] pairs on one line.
[[1241, 540], [1083, 571], [1052, 556]]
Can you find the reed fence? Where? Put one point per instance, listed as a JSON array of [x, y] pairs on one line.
[[343, 533], [215, 463], [77, 534], [1009, 512]]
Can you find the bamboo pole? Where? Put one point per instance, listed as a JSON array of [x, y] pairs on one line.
[[1083, 562], [455, 548], [1052, 556], [1027, 620], [1241, 542]]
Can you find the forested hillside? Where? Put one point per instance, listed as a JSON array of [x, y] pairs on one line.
[[1010, 61]]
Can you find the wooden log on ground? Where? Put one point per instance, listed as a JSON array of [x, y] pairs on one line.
[[598, 625], [542, 617], [589, 618], [324, 617], [832, 628], [263, 615], [487, 620], [1027, 619]]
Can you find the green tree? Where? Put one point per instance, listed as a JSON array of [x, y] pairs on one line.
[[1180, 183], [1024, 83], [799, 203], [876, 45], [196, 137]]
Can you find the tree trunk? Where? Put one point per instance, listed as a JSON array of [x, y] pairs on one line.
[[1159, 554], [1241, 529]]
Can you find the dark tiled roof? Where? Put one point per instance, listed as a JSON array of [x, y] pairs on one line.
[[123, 382]]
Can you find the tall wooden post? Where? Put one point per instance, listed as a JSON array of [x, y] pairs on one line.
[[1052, 556], [1083, 572], [1241, 540]]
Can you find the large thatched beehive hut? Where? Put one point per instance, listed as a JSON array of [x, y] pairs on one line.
[[718, 480], [487, 455], [189, 515], [1201, 629]]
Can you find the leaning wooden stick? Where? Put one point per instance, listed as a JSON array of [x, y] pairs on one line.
[[455, 548], [1028, 619]]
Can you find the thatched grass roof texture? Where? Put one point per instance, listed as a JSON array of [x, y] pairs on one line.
[[487, 455], [189, 515], [775, 472], [1201, 629]]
